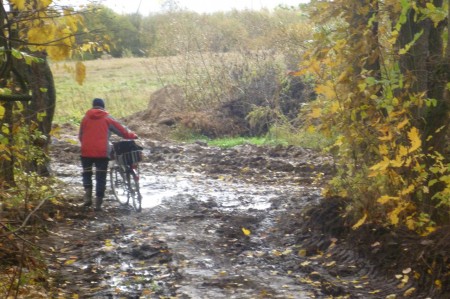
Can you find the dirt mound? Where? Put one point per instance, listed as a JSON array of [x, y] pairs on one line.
[[165, 104], [163, 107], [168, 108], [248, 110]]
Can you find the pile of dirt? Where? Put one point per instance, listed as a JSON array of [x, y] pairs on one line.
[[170, 108]]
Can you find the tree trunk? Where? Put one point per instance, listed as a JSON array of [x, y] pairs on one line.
[[41, 109], [438, 67], [6, 158], [427, 68]]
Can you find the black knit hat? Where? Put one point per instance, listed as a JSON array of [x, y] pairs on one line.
[[98, 103]]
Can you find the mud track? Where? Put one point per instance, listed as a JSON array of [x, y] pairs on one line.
[[218, 224]]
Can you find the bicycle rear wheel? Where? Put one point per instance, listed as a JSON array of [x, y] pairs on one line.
[[119, 185], [135, 193]]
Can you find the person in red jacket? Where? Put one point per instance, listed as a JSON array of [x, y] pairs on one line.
[[95, 131]]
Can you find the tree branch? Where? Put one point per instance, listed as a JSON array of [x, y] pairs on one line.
[[15, 97], [25, 221]]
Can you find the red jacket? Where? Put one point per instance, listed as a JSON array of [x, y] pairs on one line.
[[95, 130]]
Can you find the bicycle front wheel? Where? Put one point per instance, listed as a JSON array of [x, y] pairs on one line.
[[135, 193], [119, 185]]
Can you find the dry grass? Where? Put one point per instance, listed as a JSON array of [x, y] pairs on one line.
[[126, 84]]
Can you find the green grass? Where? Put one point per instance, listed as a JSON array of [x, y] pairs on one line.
[[234, 141], [278, 135], [304, 139], [126, 85]]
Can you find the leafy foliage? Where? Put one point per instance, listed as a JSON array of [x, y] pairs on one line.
[[373, 95], [32, 31]]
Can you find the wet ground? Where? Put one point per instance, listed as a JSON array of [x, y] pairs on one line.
[[215, 224]]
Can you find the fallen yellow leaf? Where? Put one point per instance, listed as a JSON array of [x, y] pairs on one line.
[[246, 232], [69, 262], [360, 222]]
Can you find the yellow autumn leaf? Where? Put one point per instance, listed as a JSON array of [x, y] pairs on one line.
[[42, 34], [343, 77], [315, 66], [18, 4], [44, 3], [403, 151], [438, 283], [360, 221], [245, 169], [383, 149], [246, 232], [385, 199], [362, 86], [393, 215], [334, 107], [440, 129], [71, 21], [327, 90], [276, 252], [383, 165], [70, 262], [302, 253], [408, 190], [409, 292], [387, 137], [375, 292], [428, 230], [414, 138], [410, 223], [80, 72], [398, 162], [402, 124], [316, 113]]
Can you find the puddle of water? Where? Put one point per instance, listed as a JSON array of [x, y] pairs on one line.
[[158, 187], [227, 194]]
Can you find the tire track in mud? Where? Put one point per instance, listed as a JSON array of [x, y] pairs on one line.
[[192, 243], [215, 258]]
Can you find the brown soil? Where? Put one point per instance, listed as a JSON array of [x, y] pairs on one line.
[[208, 238], [192, 245]]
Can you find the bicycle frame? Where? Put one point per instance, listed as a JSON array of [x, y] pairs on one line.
[[124, 180]]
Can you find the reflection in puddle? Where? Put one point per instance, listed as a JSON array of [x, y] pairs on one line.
[[225, 191], [227, 194]]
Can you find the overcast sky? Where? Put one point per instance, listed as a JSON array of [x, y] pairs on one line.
[[202, 6]]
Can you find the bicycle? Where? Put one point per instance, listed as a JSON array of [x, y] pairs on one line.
[[124, 173]]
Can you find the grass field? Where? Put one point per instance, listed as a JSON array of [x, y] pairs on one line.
[[126, 85]]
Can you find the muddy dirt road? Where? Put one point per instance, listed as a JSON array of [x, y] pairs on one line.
[[216, 224]]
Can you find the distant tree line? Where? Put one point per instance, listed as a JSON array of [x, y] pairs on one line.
[[175, 31]]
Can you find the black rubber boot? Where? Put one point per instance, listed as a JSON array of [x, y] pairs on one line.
[[87, 197], [98, 203]]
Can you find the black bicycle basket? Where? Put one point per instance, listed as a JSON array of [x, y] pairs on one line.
[[127, 152]]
